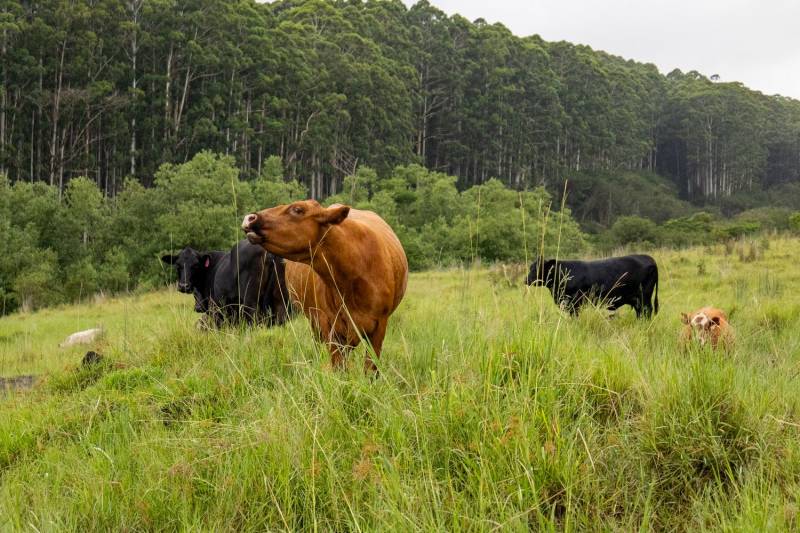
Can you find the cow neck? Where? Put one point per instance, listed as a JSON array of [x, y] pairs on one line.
[[334, 259]]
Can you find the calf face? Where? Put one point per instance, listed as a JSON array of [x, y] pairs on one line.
[[708, 325], [292, 230]]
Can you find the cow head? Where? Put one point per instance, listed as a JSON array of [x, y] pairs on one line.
[[293, 230], [700, 324], [542, 273], [191, 267], [700, 321]]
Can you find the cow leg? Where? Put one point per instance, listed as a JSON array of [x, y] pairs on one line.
[[337, 355], [337, 345], [376, 341], [648, 303], [643, 308]]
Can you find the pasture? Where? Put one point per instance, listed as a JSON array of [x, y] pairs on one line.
[[494, 411]]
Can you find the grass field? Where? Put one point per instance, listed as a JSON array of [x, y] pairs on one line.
[[493, 412]]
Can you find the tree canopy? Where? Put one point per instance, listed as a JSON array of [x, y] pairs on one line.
[[112, 89]]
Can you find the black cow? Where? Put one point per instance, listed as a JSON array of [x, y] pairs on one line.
[[246, 284], [629, 280]]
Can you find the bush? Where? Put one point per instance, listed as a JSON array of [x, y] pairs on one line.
[[687, 231], [604, 197], [81, 280], [734, 230], [269, 189], [113, 273], [634, 229], [767, 218], [37, 285], [794, 222]]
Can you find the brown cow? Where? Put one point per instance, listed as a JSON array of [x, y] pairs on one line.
[[707, 325], [346, 268]]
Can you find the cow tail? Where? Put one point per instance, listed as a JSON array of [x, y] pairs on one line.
[[655, 301]]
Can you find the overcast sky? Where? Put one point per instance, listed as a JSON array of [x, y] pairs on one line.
[[756, 42]]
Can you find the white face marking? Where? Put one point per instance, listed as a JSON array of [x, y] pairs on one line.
[[700, 321]]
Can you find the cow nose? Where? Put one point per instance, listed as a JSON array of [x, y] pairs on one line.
[[249, 220]]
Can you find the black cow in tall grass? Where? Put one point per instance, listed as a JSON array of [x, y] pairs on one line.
[[245, 285], [611, 283]]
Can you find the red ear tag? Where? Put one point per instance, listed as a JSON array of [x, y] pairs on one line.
[[208, 262]]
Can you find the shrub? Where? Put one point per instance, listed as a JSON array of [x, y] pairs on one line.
[[794, 222], [80, 280], [37, 285], [633, 229], [687, 231], [735, 229], [113, 273], [768, 218]]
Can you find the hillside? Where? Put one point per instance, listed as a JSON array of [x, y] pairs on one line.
[[493, 410], [116, 90]]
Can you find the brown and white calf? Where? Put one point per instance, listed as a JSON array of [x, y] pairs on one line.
[[707, 325]]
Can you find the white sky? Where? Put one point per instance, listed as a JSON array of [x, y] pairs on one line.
[[751, 41]]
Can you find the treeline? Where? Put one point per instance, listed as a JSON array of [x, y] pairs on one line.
[[109, 89], [55, 251]]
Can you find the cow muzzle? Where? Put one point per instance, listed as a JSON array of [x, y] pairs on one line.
[[184, 288], [251, 227]]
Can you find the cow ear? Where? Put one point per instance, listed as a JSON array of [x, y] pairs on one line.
[[335, 214], [205, 259], [169, 259], [684, 318], [715, 320]]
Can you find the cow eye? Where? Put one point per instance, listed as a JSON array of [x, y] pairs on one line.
[[297, 210]]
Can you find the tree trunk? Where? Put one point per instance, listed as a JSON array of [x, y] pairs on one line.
[[135, 6], [55, 117], [168, 94], [3, 103]]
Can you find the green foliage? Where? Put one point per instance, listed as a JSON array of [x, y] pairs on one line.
[[633, 229], [440, 226], [113, 271], [601, 197], [794, 222], [687, 231], [117, 113], [113, 245], [734, 230], [767, 218], [36, 284], [80, 280], [270, 189], [696, 229], [203, 202], [329, 87]]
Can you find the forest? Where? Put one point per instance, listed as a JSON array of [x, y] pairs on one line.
[[120, 118], [107, 89]]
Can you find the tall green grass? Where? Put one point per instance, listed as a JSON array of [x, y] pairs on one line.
[[493, 412]]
